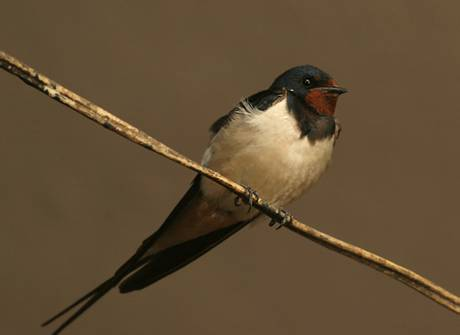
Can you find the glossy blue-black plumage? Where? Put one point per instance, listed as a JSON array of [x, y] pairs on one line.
[[293, 83]]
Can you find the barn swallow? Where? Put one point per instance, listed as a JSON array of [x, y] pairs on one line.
[[277, 142]]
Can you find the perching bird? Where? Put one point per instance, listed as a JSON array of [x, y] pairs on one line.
[[277, 142]]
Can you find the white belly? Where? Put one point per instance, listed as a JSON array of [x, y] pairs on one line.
[[263, 150]]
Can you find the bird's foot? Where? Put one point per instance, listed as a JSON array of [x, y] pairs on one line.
[[283, 219], [249, 195]]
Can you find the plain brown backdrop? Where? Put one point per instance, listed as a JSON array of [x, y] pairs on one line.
[[76, 200]]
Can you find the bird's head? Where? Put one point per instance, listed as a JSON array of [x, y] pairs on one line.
[[314, 87]]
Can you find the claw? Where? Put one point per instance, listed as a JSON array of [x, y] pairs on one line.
[[284, 218], [249, 193]]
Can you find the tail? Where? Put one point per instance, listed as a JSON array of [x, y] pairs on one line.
[[90, 298], [174, 258], [149, 270], [133, 263], [192, 229]]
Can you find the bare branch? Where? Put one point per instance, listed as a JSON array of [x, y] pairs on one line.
[[111, 122]]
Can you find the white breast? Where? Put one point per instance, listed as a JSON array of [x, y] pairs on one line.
[[264, 150]]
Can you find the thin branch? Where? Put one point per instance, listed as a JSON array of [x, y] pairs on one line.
[[111, 122]]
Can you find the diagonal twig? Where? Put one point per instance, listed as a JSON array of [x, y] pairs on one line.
[[111, 122]]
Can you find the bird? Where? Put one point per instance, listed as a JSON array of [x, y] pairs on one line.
[[276, 143]]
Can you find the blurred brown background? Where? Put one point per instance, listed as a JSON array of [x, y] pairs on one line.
[[76, 200]]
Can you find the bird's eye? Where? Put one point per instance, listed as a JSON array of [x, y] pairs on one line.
[[307, 82]]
